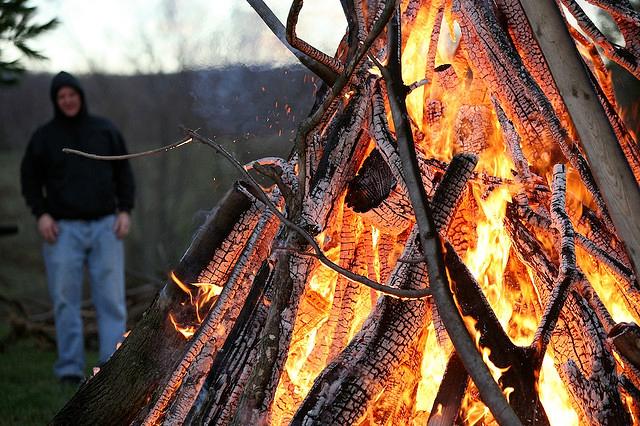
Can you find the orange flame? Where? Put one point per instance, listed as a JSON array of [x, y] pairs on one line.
[[180, 284], [205, 293]]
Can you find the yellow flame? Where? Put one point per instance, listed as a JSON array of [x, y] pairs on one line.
[[432, 369], [554, 396]]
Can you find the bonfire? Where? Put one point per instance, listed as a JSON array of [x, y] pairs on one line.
[[453, 239]]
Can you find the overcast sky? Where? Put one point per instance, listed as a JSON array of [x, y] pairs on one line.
[[125, 36], [131, 36]]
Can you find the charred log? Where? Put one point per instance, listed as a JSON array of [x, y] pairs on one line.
[[137, 372]]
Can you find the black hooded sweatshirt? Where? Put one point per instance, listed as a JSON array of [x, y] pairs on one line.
[[69, 186]]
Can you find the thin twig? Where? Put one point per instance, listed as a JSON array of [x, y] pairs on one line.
[[262, 196], [292, 20], [160, 150]]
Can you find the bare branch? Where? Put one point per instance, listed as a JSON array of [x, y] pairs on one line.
[[316, 55], [431, 244], [327, 74], [160, 150]]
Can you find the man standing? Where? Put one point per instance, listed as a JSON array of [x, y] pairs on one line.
[[82, 207]]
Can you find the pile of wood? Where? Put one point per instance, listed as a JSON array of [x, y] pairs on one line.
[[365, 202]]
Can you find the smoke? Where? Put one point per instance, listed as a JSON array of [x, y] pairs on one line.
[[240, 42], [244, 39], [216, 95], [242, 101]]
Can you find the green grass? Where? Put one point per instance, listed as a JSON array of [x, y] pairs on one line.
[[31, 395]]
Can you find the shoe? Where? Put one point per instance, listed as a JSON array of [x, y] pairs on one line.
[[71, 380]]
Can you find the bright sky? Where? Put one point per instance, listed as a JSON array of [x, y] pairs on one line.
[[131, 36], [125, 36]]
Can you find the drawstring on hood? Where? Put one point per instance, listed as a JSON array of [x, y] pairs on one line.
[[61, 80]]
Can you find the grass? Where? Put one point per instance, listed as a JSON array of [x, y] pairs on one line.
[[31, 395]]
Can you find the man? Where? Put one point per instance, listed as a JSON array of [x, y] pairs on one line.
[[82, 207]]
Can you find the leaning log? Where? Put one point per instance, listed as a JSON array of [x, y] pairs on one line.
[[139, 370], [186, 381], [225, 382], [613, 174], [348, 388]]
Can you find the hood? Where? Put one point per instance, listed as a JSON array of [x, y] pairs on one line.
[[65, 79]]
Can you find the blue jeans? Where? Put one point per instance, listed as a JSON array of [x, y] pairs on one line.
[[94, 244]]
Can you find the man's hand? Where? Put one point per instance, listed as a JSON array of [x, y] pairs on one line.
[[121, 225], [48, 228]]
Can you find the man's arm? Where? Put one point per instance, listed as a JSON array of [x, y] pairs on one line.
[[32, 177], [32, 180]]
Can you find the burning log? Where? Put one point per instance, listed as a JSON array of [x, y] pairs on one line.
[[524, 99], [343, 392], [187, 379], [346, 292], [229, 372], [596, 134]]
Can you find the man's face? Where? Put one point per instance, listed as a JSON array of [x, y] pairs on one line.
[[69, 101]]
